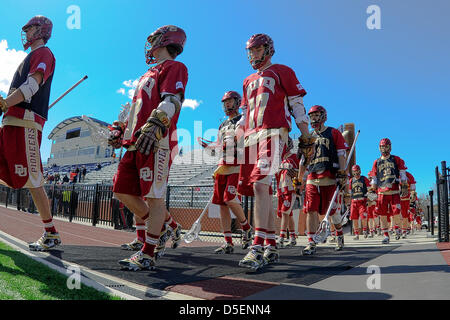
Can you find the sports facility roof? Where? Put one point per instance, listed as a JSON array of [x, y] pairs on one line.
[[68, 121]]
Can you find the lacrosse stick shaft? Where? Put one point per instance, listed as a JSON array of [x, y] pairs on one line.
[[65, 93], [337, 188], [204, 210]]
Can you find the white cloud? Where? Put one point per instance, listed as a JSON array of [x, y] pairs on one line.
[[10, 59], [191, 103], [121, 91]]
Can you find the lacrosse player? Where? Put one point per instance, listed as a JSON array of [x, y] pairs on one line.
[[270, 97], [227, 173], [286, 195], [404, 203], [151, 139], [25, 112], [386, 173], [358, 186], [326, 170]]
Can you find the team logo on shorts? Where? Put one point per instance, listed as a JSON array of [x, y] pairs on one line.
[[263, 164], [146, 174], [20, 170], [232, 189], [287, 203]]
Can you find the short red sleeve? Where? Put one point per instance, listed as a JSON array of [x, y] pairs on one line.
[[339, 140], [290, 82], [174, 78], [400, 163], [42, 61], [373, 173], [367, 182], [410, 177]]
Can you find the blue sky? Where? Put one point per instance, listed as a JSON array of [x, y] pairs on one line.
[[392, 82]]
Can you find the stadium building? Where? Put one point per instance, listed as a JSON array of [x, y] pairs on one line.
[[72, 145]]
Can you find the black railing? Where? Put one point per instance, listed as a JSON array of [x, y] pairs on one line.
[[442, 179]]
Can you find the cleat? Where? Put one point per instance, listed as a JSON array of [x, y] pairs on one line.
[[404, 236], [246, 238], [339, 243], [356, 237], [310, 249], [292, 242], [385, 240], [271, 255], [135, 245], [332, 239], [138, 261], [280, 243], [46, 242], [371, 234], [253, 259], [163, 237], [176, 236], [397, 235], [365, 234], [226, 248]]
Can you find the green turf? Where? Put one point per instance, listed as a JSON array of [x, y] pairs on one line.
[[22, 278]]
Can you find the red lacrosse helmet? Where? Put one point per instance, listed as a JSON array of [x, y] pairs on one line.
[[356, 170], [237, 102], [162, 37], [44, 30], [323, 116], [257, 40], [385, 146]]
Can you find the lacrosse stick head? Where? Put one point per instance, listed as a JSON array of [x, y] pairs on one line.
[[193, 233], [372, 196], [99, 135], [345, 217], [323, 232], [124, 113], [203, 142]]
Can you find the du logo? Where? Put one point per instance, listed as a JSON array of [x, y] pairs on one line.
[[20, 170], [146, 174]]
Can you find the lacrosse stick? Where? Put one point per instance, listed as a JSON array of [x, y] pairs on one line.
[[99, 135], [125, 113], [205, 143], [65, 93], [193, 233], [323, 231]]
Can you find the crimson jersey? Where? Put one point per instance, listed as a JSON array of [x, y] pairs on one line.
[[265, 98], [358, 187], [38, 60], [411, 181], [168, 77], [284, 181], [388, 174]]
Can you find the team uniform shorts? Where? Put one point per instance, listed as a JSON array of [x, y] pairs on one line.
[[143, 176], [404, 207], [371, 212], [225, 189], [388, 203], [285, 203], [358, 209], [20, 159], [318, 198], [260, 164]]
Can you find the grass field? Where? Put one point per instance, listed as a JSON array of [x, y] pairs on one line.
[[22, 278]]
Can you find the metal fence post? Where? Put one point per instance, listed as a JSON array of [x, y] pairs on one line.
[[95, 207], [445, 201], [168, 198], [438, 182], [431, 212]]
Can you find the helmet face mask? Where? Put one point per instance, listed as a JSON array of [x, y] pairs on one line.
[[385, 146], [318, 116], [164, 36], [356, 171], [254, 45], [231, 101], [42, 30]]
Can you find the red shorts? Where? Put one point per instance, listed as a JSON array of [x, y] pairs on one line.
[[225, 188], [404, 208], [20, 158], [358, 209], [260, 164], [419, 220], [317, 199], [285, 203], [388, 203], [143, 176], [371, 212]]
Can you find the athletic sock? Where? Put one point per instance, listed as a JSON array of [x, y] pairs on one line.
[[48, 226], [311, 237], [270, 239], [283, 234], [245, 225], [260, 236], [140, 231], [339, 232], [171, 222], [228, 238], [150, 244]]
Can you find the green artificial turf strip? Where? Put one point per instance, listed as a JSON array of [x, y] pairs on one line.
[[22, 278]]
